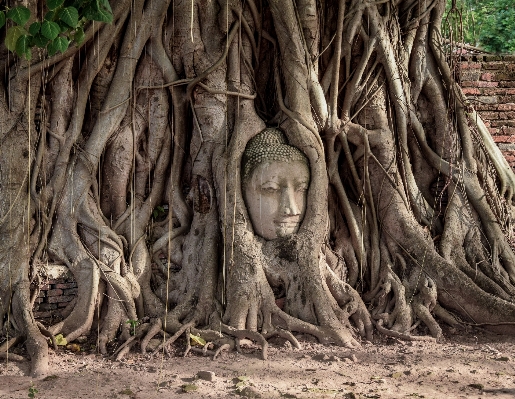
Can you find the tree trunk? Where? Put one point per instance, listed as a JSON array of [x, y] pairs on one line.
[[124, 159]]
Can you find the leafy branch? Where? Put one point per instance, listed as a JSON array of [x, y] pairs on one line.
[[63, 24]]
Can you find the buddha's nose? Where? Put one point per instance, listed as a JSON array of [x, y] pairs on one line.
[[289, 204]]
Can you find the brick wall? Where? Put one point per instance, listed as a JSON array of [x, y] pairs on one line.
[[489, 83], [57, 290]]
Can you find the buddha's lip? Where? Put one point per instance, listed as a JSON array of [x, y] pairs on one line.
[[287, 222]]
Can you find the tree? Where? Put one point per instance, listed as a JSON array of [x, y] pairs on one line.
[[486, 24], [122, 158]]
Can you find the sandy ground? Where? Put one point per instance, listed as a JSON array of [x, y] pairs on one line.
[[473, 364]]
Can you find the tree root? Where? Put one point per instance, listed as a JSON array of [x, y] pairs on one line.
[[399, 335], [47, 334], [11, 356]]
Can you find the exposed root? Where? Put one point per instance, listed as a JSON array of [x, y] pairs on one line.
[[155, 327], [47, 334], [399, 335], [253, 335], [11, 356], [163, 346]]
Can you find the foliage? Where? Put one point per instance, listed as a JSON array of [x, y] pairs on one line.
[[488, 24], [32, 391], [62, 24]]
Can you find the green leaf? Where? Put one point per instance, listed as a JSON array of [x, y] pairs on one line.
[[197, 341], [98, 12], [12, 36], [60, 340], [79, 36], [23, 46], [53, 4], [50, 30], [62, 43], [20, 15], [2, 19], [49, 16], [34, 28], [40, 40], [70, 16]]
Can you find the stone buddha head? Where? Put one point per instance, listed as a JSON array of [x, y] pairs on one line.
[[275, 180]]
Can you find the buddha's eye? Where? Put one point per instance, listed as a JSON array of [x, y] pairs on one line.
[[302, 188], [269, 189]]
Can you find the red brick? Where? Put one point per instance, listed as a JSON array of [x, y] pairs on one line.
[[470, 91], [486, 84], [65, 285], [493, 130], [468, 83], [57, 299], [47, 306], [507, 107], [487, 76], [470, 65], [506, 84], [54, 292], [501, 138], [508, 130], [489, 116], [493, 65], [43, 315], [507, 115], [70, 291]]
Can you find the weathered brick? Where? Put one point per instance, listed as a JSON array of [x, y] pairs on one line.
[[470, 91], [506, 84], [468, 83], [481, 83], [507, 115], [490, 116], [500, 123], [70, 291], [470, 65], [43, 315], [492, 65], [57, 299], [66, 285], [499, 138], [488, 99], [47, 306], [471, 75], [507, 107], [508, 130], [63, 304], [488, 76], [54, 292]]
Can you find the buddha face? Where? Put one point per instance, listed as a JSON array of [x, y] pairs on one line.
[[275, 194]]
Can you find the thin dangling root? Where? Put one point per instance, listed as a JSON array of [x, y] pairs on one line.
[[399, 335]]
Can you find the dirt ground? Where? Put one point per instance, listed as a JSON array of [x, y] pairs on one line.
[[467, 364]]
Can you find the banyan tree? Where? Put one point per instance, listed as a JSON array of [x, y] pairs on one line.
[[249, 168]]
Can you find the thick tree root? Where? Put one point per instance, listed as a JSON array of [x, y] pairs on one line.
[[399, 335]]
